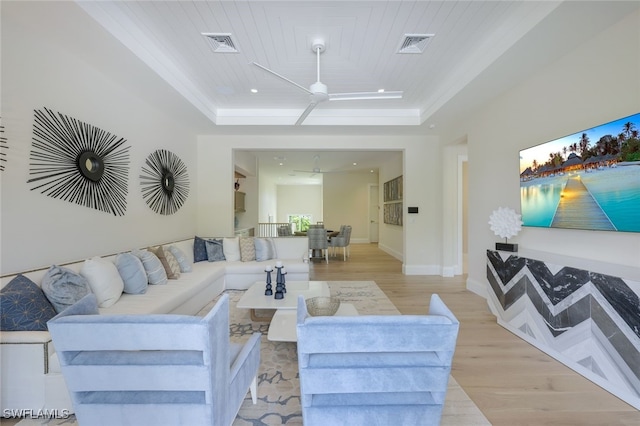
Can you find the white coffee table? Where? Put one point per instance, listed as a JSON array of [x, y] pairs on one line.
[[283, 323], [254, 297]]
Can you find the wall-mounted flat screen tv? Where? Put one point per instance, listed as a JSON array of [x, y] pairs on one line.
[[586, 180]]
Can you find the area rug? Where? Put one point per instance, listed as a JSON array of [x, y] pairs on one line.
[[278, 385]]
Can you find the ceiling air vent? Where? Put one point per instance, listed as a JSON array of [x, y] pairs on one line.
[[221, 42], [414, 43]]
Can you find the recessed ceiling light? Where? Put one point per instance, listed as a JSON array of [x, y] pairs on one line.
[[282, 164], [355, 164], [380, 90], [254, 90]]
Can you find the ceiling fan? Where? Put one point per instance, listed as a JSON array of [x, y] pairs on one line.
[[316, 168], [318, 91]]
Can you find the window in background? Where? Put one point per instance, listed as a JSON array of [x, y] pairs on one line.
[[300, 221]]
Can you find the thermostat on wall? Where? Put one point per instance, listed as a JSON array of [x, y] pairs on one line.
[[413, 210]]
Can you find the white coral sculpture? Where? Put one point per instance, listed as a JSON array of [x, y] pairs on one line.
[[505, 222]]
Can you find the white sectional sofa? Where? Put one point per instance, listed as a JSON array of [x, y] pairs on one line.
[[30, 374]]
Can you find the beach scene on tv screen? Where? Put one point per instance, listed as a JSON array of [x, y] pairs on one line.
[[587, 180]]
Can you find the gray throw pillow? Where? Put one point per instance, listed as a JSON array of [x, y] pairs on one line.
[[215, 250], [156, 275], [265, 249], [88, 305], [63, 287], [132, 272], [185, 265]]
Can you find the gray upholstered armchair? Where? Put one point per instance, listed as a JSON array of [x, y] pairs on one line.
[[154, 369], [318, 240], [375, 370], [343, 239]]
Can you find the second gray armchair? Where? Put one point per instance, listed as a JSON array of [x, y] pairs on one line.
[[343, 240]]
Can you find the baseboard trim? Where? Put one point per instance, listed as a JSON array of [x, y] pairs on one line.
[[421, 269], [391, 252], [477, 287]]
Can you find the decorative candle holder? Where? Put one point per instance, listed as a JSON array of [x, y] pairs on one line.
[[268, 290], [279, 294], [284, 280]]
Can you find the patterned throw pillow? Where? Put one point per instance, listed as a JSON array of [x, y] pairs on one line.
[[132, 273], [174, 266], [199, 250], [24, 306], [63, 287], [215, 251], [247, 249], [185, 265], [265, 249], [156, 275], [166, 263]]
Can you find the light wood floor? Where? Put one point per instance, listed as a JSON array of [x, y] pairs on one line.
[[512, 382]]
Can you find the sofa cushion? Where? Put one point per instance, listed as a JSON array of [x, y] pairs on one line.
[[231, 248], [199, 249], [265, 249], [169, 263], [24, 306], [63, 287], [104, 280], [156, 274], [181, 257], [247, 249], [215, 252], [132, 273]]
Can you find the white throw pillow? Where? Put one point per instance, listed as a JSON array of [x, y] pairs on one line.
[[104, 280], [231, 248]]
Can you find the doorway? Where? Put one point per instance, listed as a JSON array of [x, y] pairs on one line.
[[374, 213]]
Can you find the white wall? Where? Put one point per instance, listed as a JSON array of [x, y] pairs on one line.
[[44, 65], [346, 202], [299, 199], [595, 83]]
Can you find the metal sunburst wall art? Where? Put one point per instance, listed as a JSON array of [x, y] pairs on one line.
[[78, 162], [3, 146], [165, 182]]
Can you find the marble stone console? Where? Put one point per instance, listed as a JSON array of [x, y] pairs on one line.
[[587, 320]]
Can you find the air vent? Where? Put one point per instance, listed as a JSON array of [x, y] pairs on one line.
[[221, 42], [414, 43]]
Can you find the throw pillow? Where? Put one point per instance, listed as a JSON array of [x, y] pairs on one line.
[[231, 248], [24, 306], [88, 305], [63, 287], [199, 250], [156, 275], [104, 280], [265, 249], [215, 252], [185, 265], [247, 249], [132, 273], [166, 263]]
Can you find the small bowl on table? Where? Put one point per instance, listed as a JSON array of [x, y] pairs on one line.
[[322, 306]]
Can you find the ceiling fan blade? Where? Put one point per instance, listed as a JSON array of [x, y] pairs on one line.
[[282, 77], [306, 112], [364, 95]]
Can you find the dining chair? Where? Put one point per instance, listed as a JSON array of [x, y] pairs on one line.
[[343, 240], [318, 240]]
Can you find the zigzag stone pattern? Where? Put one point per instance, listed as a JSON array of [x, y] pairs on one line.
[[599, 314]]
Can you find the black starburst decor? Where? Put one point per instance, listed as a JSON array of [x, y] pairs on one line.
[[78, 162], [3, 147], [165, 182]]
